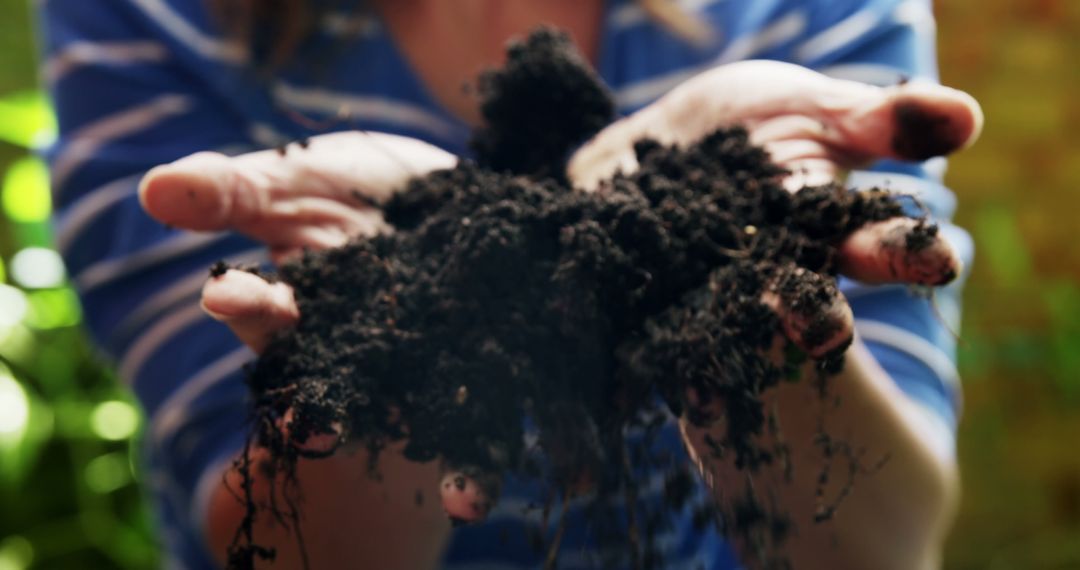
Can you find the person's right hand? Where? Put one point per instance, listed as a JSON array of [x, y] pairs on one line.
[[317, 195]]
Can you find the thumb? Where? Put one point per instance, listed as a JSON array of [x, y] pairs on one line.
[[254, 308], [199, 192], [210, 191], [914, 121]]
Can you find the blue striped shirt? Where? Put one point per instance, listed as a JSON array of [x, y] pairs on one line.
[[138, 83]]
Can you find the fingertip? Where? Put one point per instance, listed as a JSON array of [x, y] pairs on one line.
[[900, 250], [978, 119], [154, 188], [237, 294], [462, 499], [935, 264], [254, 309], [190, 193], [932, 120], [469, 493], [813, 314], [227, 295]]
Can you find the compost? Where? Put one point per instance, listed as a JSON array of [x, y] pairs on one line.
[[505, 294]]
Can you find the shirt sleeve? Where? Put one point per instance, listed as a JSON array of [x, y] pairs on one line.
[[911, 332], [133, 85]]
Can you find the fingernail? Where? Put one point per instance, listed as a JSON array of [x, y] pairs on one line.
[[463, 500]]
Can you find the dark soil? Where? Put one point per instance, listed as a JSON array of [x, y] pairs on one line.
[[503, 293]]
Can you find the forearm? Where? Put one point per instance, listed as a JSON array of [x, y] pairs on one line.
[[894, 517], [348, 519]]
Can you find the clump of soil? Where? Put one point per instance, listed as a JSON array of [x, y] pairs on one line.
[[504, 293]]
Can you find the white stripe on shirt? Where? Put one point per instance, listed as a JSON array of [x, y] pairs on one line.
[[267, 136], [81, 212], [841, 35], [351, 26], [513, 507], [936, 168], [78, 54], [773, 35], [353, 106], [156, 337], [918, 15], [935, 431], [205, 45], [174, 411], [916, 346], [85, 142], [77, 215], [871, 73], [207, 484], [629, 15], [926, 192], [108, 270], [185, 287]]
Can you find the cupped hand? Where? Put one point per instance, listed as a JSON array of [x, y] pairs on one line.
[[314, 195], [817, 128]]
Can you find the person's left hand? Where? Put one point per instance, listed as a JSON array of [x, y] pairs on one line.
[[817, 128], [316, 195]]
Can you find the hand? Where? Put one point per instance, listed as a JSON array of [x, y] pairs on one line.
[[317, 195], [817, 128], [314, 196]]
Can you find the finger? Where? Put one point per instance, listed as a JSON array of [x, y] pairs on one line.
[[202, 192], [899, 250], [253, 308], [468, 494], [209, 191], [915, 121], [813, 314], [862, 122], [252, 193], [933, 120]]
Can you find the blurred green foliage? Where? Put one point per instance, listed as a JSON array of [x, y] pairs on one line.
[[68, 477], [1020, 344], [69, 486]]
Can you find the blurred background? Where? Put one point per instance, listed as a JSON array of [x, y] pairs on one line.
[[70, 493]]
